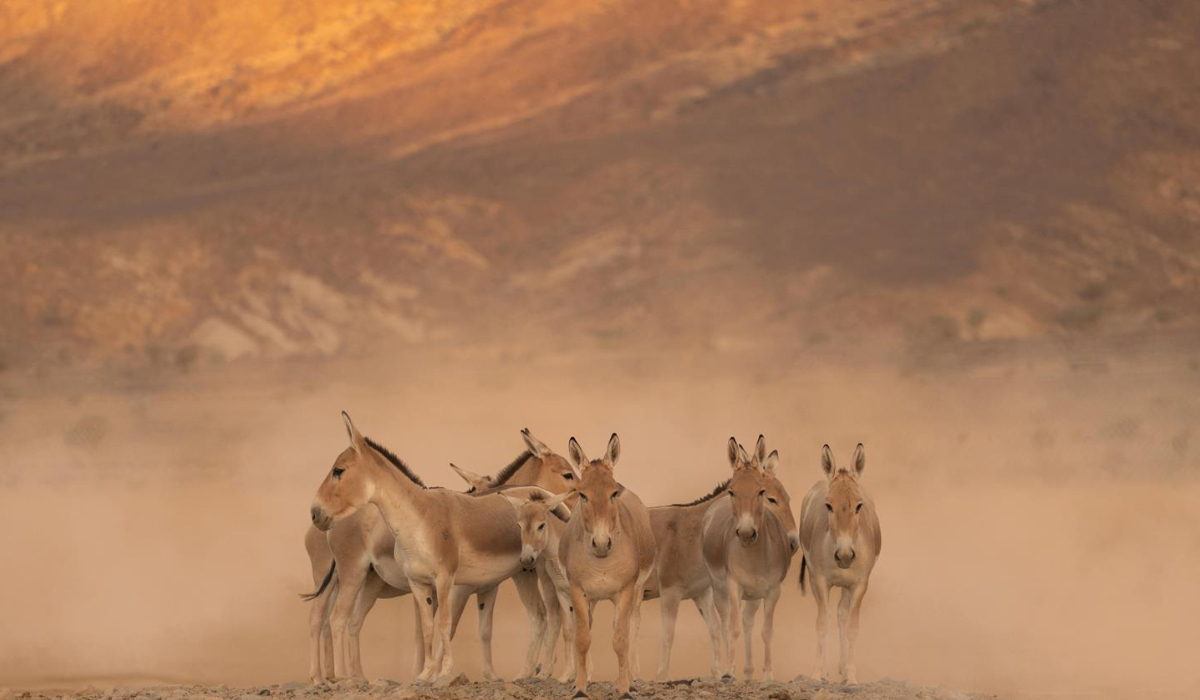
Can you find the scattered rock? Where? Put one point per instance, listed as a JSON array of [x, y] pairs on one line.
[[823, 694], [294, 686], [779, 694], [447, 682]]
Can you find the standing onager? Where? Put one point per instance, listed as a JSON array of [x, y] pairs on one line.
[[839, 530], [680, 573], [748, 542], [608, 551], [443, 539], [362, 547]]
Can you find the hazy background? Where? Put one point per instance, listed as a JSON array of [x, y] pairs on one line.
[[964, 233]]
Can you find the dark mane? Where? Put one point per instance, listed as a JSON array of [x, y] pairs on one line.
[[396, 462], [506, 473], [715, 492]]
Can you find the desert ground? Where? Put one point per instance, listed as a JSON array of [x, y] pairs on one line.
[[962, 232]]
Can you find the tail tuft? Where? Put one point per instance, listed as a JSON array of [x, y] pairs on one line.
[[803, 565], [324, 584]]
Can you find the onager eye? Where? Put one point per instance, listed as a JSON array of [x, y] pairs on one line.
[[762, 493], [568, 476], [541, 526], [614, 495], [583, 497], [337, 472], [773, 501], [829, 507], [858, 507]]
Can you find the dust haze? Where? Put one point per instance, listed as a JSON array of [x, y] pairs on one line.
[[1040, 520]]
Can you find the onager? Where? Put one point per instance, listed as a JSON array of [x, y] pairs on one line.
[[361, 549], [443, 539], [839, 529], [748, 542], [608, 551], [680, 573]]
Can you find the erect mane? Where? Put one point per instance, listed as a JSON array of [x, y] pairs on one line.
[[720, 488], [506, 473], [396, 461]]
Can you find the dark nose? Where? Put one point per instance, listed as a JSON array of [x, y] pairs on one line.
[[316, 513], [526, 561]]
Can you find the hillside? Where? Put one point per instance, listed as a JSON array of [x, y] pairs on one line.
[[188, 181]]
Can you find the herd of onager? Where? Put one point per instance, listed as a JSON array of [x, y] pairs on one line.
[[569, 535]]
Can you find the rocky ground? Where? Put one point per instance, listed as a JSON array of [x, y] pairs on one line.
[[460, 688]]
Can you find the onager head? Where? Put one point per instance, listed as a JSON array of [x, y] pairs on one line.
[[557, 475], [747, 490], [771, 495], [350, 484], [533, 516], [843, 502], [477, 482], [598, 491]]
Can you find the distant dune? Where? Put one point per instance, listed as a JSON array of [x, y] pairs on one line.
[[187, 181]]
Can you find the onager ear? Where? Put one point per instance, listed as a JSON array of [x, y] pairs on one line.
[[760, 450], [614, 451], [557, 500], [735, 456], [356, 438], [745, 458], [827, 463], [771, 462], [575, 452], [474, 480], [516, 502], [537, 447], [860, 460]]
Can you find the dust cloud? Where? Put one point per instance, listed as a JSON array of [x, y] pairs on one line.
[[1041, 519]]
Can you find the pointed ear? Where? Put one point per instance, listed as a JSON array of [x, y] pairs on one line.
[[558, 499], [614, 451], [537, 447], [575, 452], [743, 456], [760, 450], [516, 502], [771, 462], [356, 438], [735, 454], [473, 480], [860, 460], [827, 463]]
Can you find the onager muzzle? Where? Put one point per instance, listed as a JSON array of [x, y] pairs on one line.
[[844, 554], [746, 532], [601, 545], [320, 519]]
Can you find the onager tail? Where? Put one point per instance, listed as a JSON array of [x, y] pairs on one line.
[[803, 563], [324, 584]]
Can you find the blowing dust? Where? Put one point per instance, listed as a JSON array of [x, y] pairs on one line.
[[1041, 522]]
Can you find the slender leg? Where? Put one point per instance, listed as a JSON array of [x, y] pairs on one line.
[[487, 609], [859, 591], [749, 610], [843, 638], [721, 603], [318, 624], [367, 596], [583, 639], [419, 640], [820, 589], [735, 618], [554, 622], [423, 593], [444, 657], [625, 604], [669, 602], [459, 597], [531, 598], [708, 612], [350, 582], [768, 632], [635, 628], [568, 613]]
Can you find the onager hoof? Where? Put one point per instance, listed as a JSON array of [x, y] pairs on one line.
[[579, 694], [728, 677]]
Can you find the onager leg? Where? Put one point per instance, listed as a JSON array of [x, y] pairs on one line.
[[820, 589], [419, 639], [635, 628], [857, 593], [568, 614], [320, 666], [367, 596], [350, 583], [843, 637], [487, 608], [554, 623], [733, 620], [749, 610], [423, 595], [444, 655], [669, 601], [531, 598], [725, 651], [583, 639], [768, 632], [708, 611], [625, 603]]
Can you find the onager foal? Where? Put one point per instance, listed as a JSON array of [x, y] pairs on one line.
[[839, 530], [442, 537], [608, 551], [748, 543]]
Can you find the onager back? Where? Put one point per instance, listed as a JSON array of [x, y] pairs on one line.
[[608, 551], [748, 542], [839, 530]]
